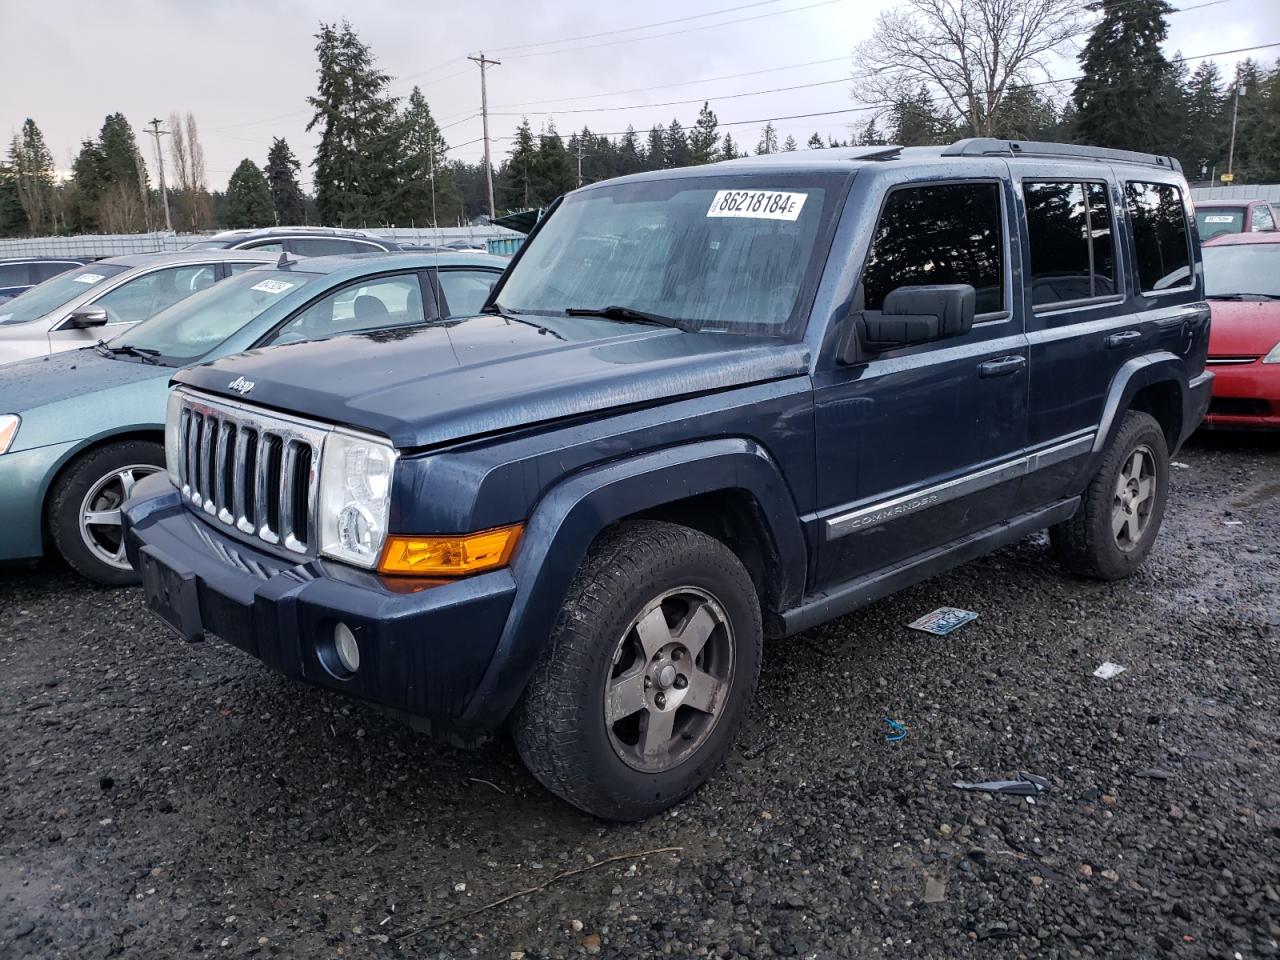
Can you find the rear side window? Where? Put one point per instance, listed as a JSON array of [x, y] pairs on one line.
[[466, 290], [1159, 235], [1262, 219], [1069, 230], [949, 233], [40, 272], [327, 246], [14, 275]]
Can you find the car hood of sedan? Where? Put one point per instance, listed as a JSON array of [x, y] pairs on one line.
[[81, 394], [426, 385], [1243, 328]]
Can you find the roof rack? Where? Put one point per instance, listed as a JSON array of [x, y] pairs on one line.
[[991, 147], [888, 151]]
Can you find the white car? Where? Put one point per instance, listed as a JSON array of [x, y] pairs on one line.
[[101, 299]]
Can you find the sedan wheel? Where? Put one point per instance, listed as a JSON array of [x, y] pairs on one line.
[[100, 517]]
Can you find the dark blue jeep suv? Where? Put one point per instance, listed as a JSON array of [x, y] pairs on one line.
[[701, 407]]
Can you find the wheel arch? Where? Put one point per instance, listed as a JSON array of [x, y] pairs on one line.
[[730, 481], [1153, 383], [89, 446]]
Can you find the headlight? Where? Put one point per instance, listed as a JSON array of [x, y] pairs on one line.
[[173, 435], [355, 497], [8, 430], [1272, 357]]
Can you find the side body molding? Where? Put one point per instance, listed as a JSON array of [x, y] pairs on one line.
[[569, 518]]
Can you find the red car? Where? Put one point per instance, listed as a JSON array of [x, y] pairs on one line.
[[1216, 217], [1242, 285]]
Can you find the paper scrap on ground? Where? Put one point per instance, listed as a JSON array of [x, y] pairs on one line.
[[943, 620], [1109, 670]]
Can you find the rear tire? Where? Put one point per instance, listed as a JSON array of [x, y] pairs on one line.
[[1122, 507], [83, 514], [648, 673]]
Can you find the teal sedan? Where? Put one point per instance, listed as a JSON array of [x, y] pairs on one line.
[[79, 428]]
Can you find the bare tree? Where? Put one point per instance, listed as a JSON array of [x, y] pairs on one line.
[[967, 52], [195, 206]]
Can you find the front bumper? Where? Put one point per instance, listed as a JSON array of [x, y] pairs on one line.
[[25, 476], [1245, 395], [423, 652]]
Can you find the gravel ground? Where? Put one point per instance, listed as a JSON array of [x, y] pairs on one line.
[[159, 800]]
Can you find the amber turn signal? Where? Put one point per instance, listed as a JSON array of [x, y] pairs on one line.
[[452, 556]]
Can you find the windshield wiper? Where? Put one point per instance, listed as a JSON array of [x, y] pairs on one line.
[[629, 315], [145, 354]]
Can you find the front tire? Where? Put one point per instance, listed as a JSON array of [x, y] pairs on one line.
[[1122, 507], [648, 674], [84, 516]]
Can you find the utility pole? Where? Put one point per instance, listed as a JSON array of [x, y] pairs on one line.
[[1235, 109], [579, 161], [484, 114], [431, 164], [156, 132]]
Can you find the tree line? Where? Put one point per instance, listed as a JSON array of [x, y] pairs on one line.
[[381, 159]]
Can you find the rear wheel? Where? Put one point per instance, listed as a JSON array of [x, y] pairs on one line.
[[648, 673], [84, 513], [1122, 507]]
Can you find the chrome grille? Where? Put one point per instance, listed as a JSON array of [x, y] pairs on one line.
[[251, 470]]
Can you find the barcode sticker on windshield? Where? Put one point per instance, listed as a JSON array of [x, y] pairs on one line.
[[88, 278], [1219, 218], [757, 204], [272, 286]]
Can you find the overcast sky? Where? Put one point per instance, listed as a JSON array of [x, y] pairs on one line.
[[245, 67]]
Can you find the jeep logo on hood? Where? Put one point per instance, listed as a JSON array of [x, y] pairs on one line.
[[240, 385]]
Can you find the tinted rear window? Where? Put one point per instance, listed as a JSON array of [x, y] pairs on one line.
[[1159, 235]]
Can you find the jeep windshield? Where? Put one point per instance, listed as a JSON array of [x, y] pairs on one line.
[[50, 295], [727, 254], [193, 327]]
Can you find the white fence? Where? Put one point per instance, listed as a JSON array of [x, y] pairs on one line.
[[1245, 191], [116, 245]]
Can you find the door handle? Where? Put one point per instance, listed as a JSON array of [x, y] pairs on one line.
[[1001, 367], [1124, 337]]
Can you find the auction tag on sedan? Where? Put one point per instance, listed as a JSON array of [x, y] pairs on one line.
[[89, 278], [272, 286], [757, 204]]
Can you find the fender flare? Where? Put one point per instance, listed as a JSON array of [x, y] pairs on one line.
[[1133, 376], [573, 513]]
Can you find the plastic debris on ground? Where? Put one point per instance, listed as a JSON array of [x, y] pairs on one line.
[[1180, 466], [943, 621], [1109, 670], [896, 731], [935, 889], [1233, 523], [1027, 785]]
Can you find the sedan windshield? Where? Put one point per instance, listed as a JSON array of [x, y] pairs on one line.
[[1241, 269], [1215, 221], [193, 327], [50, 295], [726, 254]]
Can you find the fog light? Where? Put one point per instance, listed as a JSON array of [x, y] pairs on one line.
[[345, 646]]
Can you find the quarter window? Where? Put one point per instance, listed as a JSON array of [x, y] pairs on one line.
[[1262, 219], [1159, 235], [949, 233], [1069, 230]]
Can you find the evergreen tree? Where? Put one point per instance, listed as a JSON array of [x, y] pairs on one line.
[[517, 187], [13, 219], [31, 164], [871, 135], [703, 138], [768, 140], [789, 145], [914, 120], [356, 159], [815, 142], [282, 177], [123, 203], [655, 155], [88, 183], [249, 201], [1204, 142], [1025, 114], [630, 159], [729, 150], [554, 173], [1121, 99], [676, 146], [424, 156], [119, 151]]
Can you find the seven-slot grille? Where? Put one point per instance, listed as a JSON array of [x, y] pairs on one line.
[[251, 470]]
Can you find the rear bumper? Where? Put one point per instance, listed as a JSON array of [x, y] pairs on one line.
[[1245, 395], [1195, 405], [423, 654], [24, 480]]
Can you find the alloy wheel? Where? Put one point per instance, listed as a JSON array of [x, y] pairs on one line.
[[101, 521], [1135, 496]]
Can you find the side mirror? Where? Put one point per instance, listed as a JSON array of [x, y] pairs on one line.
[[87, 317], [919, 314]]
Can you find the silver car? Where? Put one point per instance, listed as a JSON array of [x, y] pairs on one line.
[[102, 299]]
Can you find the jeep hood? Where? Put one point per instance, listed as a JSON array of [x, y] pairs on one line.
[[426, 385]]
